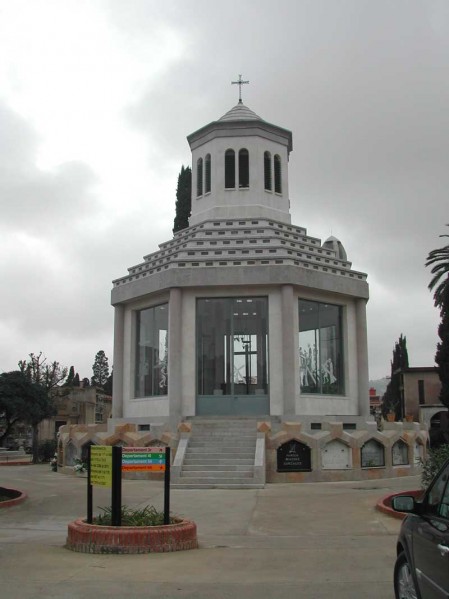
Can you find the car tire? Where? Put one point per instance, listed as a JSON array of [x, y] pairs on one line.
[[404, 584]]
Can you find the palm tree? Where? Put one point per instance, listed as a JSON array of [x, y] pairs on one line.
[[439, 258]]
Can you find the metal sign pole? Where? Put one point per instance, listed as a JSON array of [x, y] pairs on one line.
[[89, 489], [167, 487], [116, 500]]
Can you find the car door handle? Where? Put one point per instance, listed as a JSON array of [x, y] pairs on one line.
[[444, 550]]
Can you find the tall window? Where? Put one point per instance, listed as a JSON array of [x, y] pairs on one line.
[[320, 348], [207, 179], [232, 346], [243, 169], [199, 177], [267, 170], [152, 352], [277, 174], [229, 169]]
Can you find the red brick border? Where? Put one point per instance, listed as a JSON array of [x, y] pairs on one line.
[[92, 538], [384, 504], [14, 499]]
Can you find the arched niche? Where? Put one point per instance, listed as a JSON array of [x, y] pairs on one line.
[[85, 451], [418, 452], [293, 456], [71, 453], [372, 454], [399, 453], [336, 455]]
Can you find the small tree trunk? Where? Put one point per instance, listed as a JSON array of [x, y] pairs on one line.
[[35, 444]]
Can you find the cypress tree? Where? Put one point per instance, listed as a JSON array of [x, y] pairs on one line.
[[183, 199], [392, 399]]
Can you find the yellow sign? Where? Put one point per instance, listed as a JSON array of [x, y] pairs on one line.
[[101, 465]]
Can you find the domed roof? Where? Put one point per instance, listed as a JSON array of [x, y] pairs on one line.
[[332, 243], [240, 112]]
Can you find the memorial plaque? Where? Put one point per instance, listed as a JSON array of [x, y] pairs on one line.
[[373, 454], [336, 456], [293, 456], [418, 452], [399, 453]]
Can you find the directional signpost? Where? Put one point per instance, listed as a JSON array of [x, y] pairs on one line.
[[106, 465]]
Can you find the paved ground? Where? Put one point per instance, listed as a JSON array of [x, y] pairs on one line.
[[311, 541]]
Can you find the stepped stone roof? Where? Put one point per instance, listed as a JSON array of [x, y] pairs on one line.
[[242, 242]]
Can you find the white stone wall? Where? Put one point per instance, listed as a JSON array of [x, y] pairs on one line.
[[240, 203]]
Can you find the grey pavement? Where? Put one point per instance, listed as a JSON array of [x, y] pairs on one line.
[[315, 540]]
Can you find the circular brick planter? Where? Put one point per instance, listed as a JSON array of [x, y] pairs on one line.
[[15, 497], [92, 538], [384, 504]]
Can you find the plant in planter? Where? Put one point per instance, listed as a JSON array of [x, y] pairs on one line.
[[146, 516], [80, 467], [54, 463]]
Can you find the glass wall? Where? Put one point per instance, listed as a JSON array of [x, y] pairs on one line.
[[320, 348], [151, 352], [232, 346]]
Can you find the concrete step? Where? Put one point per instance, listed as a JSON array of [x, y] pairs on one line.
[[231, 444], [217, 468], [192, 461], [211, 482], [215, 485], [218, 453], [223, 435], [216, 474]]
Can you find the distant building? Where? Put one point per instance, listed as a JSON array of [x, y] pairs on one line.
[[375, 402], [77, 405]]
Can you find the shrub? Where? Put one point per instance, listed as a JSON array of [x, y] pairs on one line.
[[46, 450], [147, 516], [435, 459]]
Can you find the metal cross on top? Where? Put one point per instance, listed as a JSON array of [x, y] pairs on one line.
[[240, 82]]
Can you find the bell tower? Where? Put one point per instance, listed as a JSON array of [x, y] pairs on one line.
[[240, 168]]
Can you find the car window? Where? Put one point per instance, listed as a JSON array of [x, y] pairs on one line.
[[438, 495], [444, 505]]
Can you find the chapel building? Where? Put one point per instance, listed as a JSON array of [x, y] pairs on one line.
[[242, 313], [242, 341]]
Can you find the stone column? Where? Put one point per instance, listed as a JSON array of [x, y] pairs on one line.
[[288, 349], [362, 357], [175, 353], [119, 339]]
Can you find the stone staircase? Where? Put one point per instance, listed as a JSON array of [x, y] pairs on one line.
[[220, 454]]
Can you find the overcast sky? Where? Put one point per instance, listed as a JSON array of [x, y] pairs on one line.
[[97, 98]]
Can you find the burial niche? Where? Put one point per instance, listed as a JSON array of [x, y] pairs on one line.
[[71, 454], [335, 456], [399, 453], [373, 454], [293, 456]]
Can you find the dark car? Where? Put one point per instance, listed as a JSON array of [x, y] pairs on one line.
[[422, 566]]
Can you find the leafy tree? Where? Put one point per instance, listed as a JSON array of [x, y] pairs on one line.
[[85, 382], [100, 369], [23, 401], [48, 376], [439, 284], [107, 387], [392, 399], [183, 199], [76, 380]]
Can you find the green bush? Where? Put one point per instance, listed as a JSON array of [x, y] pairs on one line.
[[435, 459], [147, 516], [46, 450]]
